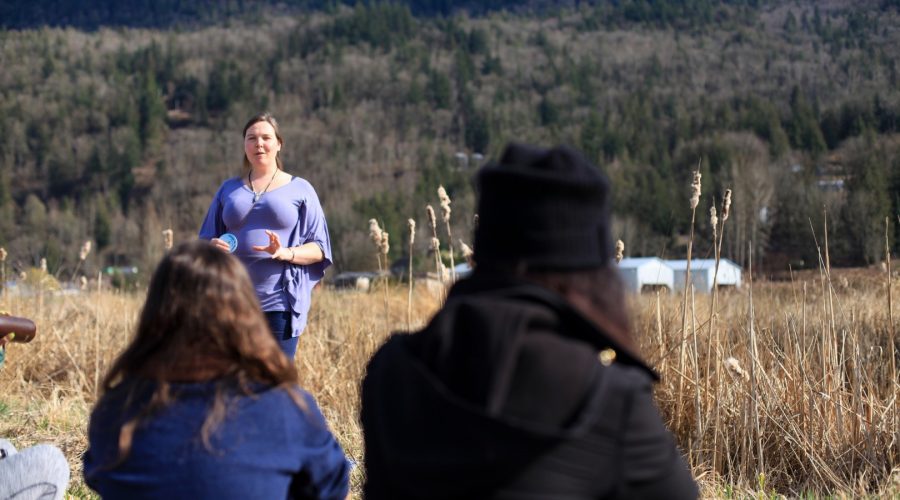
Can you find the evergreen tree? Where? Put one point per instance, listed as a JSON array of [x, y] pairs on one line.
[[102, 224], [439, 90], [802, 127], [7, 209], [868, 199], [592, 137], [151, 111]]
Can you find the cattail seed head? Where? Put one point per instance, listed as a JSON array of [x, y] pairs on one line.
[[412, 230], [713, 219], [726, 205], [695, 190], [466, 250], [445, 204], [85, 250], [380, 238], [3, 254], [43, 264], [375, 233], [620, 251], [84, 283], [431, 219], [734, 368], [168, 239], [435, 244], [385, 246]]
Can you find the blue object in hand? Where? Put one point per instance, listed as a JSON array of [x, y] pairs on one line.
[[231, 240]]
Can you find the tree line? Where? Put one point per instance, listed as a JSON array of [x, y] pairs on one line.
[[20, 14]]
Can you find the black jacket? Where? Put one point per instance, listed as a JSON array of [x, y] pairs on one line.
[[502, 396]]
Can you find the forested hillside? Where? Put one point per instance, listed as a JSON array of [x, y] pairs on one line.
[[116, 133], [19, 14]]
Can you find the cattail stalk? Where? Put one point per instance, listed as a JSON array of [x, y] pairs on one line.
[[412, 238], [695, 200], [435, 243], [726, 211], [659, 334], [890, 297], [714, 223], [168, 239], [445, 216], [82, 256], [468, 253], [825, 385], [380, 239], [385, 247], [754, 364], [893, 351], [836, 373], [3, 255], [376, 234], [696, 362]]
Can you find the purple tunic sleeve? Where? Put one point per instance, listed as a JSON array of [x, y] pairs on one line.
[[213, 224], [300, 280], [315, 230]]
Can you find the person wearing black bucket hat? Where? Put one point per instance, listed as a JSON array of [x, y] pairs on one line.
[[526, 384], [545, 209]]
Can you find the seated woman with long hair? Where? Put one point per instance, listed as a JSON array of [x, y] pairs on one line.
[[203, 403]]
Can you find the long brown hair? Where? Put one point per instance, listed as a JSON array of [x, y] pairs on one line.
[[598, 293], [268, 118], [201, 322]]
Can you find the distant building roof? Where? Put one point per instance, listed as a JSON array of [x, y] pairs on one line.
[[681, 264], [639, 261]]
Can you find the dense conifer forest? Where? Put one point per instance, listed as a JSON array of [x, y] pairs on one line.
[[120, 119]]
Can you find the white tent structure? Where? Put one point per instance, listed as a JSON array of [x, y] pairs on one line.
[[703, 271], [462, 270], [640, 272]]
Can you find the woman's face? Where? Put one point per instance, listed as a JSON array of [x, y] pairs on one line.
[[261, 145]]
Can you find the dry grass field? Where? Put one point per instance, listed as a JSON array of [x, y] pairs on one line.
[[807, 406]]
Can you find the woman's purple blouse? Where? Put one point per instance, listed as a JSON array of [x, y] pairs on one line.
[[291, 211]]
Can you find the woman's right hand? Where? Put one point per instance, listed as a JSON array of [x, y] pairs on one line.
[[221, 245]]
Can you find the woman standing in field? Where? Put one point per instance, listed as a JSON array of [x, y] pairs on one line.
[[202, 403], [276, 227]]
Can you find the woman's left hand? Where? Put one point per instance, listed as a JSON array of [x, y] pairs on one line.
[[274, 247]]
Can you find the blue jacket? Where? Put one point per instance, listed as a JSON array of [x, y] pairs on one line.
[[266, 447]]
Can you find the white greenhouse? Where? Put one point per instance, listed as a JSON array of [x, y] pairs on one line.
[[642, 273], [703, 271]]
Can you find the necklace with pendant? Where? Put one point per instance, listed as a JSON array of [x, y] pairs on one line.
[[255, 194]]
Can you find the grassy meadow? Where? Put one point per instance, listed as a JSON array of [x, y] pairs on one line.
[[806, 406]]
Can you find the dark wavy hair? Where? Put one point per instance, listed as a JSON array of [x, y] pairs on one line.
[[598, 293], [268, 118], [201, 322]]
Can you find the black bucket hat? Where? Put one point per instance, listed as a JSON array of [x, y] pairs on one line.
[[548, 209]]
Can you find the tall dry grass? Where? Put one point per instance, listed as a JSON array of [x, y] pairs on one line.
[[790, 419], [826, 424]]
